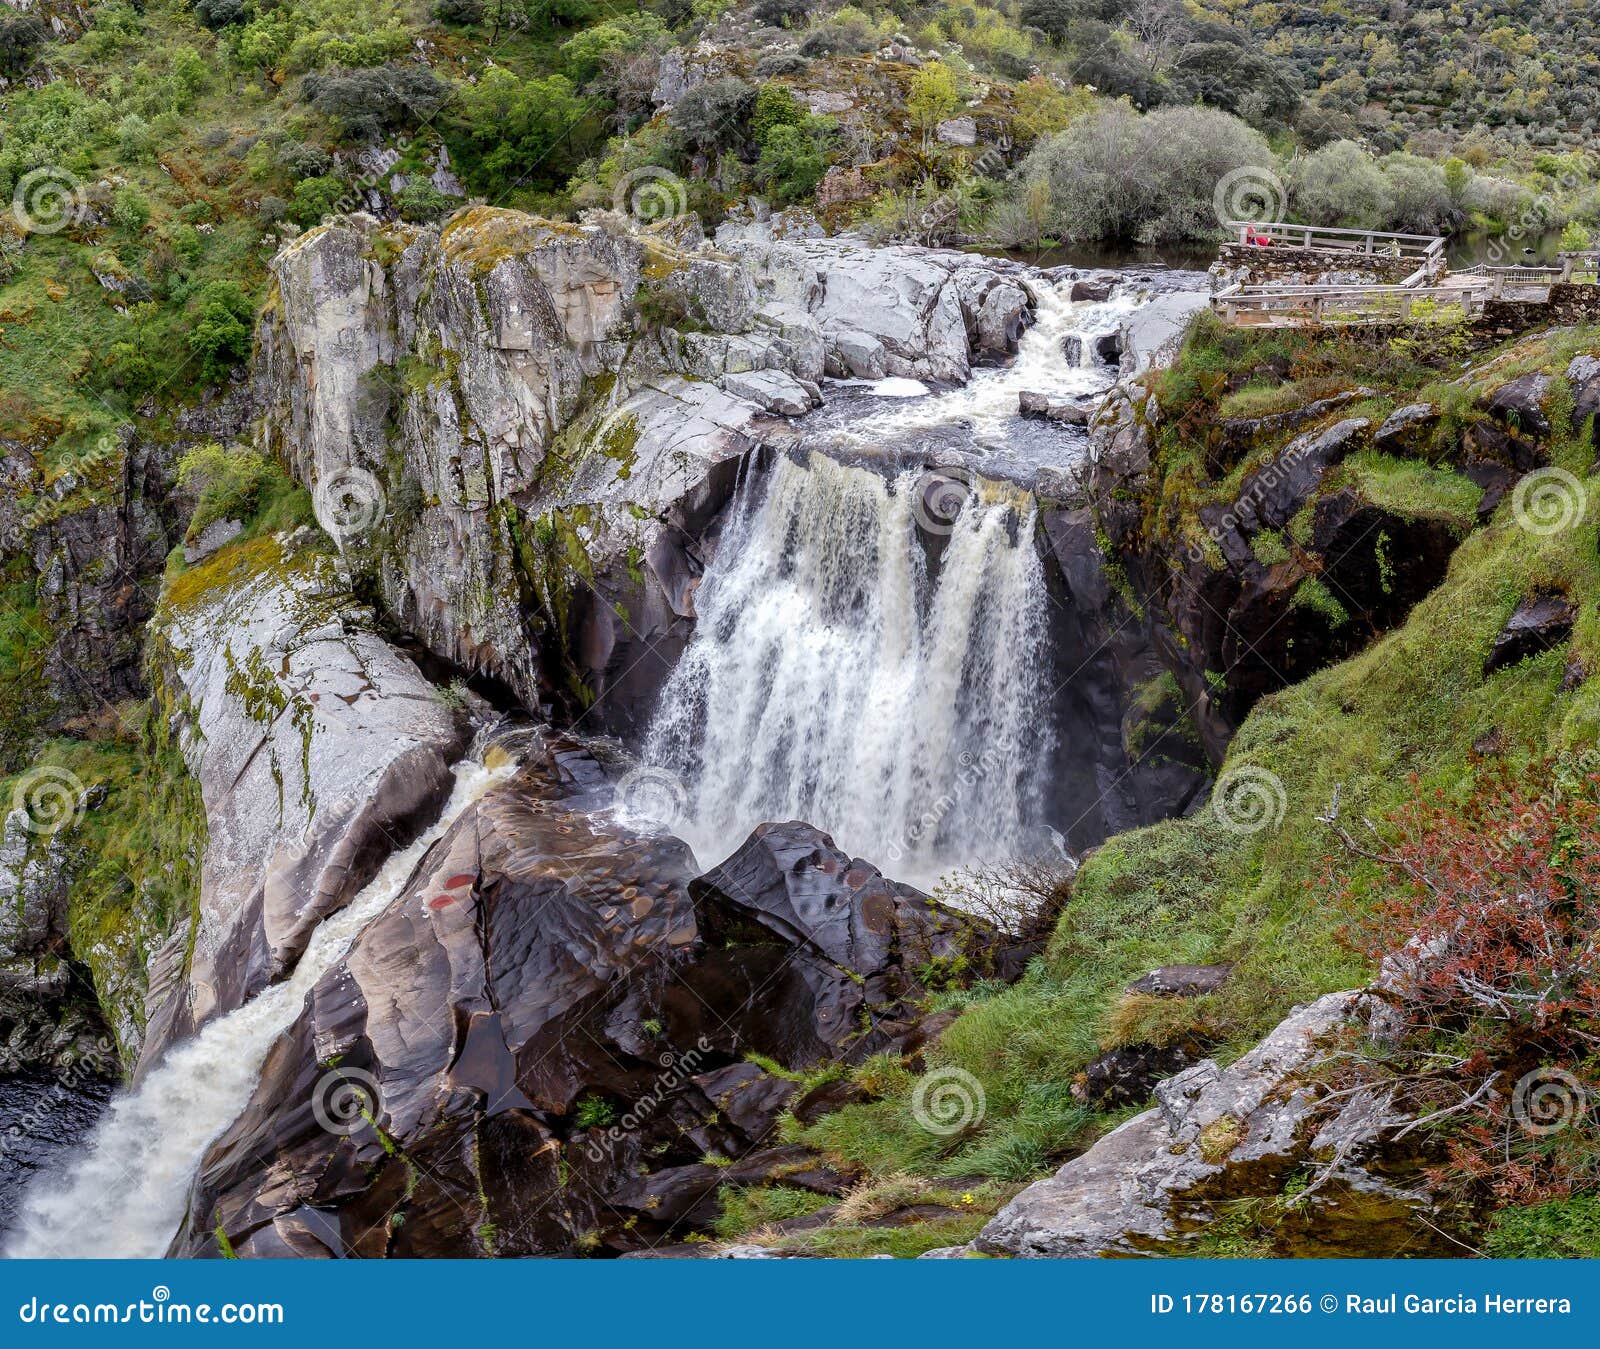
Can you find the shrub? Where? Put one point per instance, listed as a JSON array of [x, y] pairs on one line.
[[780, 63], [215, 14], [775, 107], [1419, 197], [315, 198], [1491, 940], [366, 103], [460, 12], [1114, 174], [420, 201], [932, 98], [518, 124], [1340, 184], [847, 33], [301, 160], [1039, 108], [130, 209], [712, 117], [226, 483], [792, 163], [221, 336]]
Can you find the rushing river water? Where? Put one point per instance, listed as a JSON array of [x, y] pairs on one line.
[[834, 677], [871, 656], [126, 1194]]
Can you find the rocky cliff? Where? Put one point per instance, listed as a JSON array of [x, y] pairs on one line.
[[526, 428]]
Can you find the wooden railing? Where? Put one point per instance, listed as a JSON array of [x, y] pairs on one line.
[[1378, 243], [1346, 304]]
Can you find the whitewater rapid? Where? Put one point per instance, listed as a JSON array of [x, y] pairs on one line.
[[126, 1194], [835, 678], [987, 403]]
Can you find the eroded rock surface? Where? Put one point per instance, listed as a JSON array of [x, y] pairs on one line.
[[1150, 1185], [317, 748], [552, 1025], [546, 411]]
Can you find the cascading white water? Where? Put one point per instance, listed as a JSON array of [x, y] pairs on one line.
[[125, 1196], [988, 401], [832, 680]]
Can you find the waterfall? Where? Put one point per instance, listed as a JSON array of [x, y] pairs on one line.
[[127, 1193], [834, 678]]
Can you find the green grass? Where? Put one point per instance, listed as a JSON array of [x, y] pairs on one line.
[[1407, 487], [1563, 1229]]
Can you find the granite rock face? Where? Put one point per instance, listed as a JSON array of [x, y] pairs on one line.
[[534, 419], [317, 749]]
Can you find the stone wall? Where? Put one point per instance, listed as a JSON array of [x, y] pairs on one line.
[[1309, 266], [1568, 304]]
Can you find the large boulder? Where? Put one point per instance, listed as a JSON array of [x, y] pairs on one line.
[[1218, 1134], [550, 1031]]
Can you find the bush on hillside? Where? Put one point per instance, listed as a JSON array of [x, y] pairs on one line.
[[714, 116], [1115, 174], [1341, 185], [368, 103]]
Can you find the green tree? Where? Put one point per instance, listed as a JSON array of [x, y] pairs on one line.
[[934, 95], [520, 126], [221, 335]]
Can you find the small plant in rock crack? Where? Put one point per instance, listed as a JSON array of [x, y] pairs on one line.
[[594, 1112], [1487, 931]]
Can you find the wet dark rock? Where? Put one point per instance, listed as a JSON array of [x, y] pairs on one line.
[[1094, 288], [1519, 404], [687, 1195], [749, 1099], [928, 1030], [832, 1095], [1128, 1074], [1406, 430], [791, 923], [1046, 408], [1181, 981], [1236, 435], [1539, 623], [556, 1019], [1137, 759], [1574, 675]]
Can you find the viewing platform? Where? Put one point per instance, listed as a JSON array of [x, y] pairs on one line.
[[1285, 275]]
